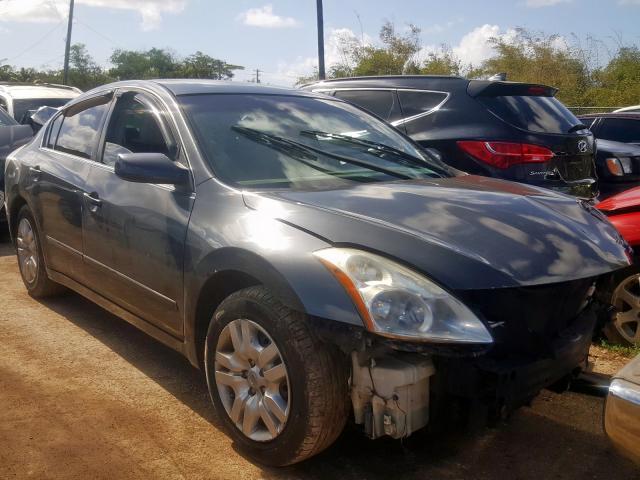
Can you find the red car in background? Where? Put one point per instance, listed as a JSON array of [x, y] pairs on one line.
[[623, 210]]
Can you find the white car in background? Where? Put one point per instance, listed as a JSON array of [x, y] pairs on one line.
[[633, 108], [20, 100]]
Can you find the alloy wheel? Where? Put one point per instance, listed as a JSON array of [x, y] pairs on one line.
[[626, 300], [252, 380], [27, 251]]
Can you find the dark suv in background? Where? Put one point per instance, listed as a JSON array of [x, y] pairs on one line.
[[507, 130], [618, 151]]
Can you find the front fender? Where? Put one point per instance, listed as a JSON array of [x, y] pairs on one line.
[[235, 238]]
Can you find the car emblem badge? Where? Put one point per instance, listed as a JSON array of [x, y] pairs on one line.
[[583, 146]]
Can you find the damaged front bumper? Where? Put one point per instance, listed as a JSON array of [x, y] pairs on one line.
[[396, 392]]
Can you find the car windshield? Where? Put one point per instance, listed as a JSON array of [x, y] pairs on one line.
[[297, 142], [5, 119], [23, 106]]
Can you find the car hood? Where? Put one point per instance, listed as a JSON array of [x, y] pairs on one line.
[[619, 148], [465, 232]]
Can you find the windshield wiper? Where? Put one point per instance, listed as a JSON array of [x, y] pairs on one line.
[[306, 152], [374, 148]]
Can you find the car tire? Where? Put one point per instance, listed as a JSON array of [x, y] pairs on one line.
[[30, 258], [624, 326], [310, 415]]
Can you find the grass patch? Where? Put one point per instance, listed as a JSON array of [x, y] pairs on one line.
[[623, 350]]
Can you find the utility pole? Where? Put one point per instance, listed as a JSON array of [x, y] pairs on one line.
[[321, 72], [257, 75], [65, 77]]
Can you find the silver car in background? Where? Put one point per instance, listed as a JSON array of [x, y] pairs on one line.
[[622, 410]]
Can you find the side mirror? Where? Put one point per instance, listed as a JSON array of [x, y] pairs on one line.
[[41, 116], [150, 168]]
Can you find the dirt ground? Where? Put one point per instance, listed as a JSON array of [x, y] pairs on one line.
[[84, 395]]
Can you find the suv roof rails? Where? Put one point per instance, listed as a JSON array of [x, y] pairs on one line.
[[39, 84], [383, 77]]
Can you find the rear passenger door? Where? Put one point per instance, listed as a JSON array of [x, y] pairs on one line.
[[134, 233], [58, 181]]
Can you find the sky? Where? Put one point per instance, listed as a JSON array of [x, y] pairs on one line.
[[279, 36]]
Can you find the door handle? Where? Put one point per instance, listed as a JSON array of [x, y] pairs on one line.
[[35, 172], [93, 200]]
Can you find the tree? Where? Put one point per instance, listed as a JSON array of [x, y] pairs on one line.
[[200, 65], [153, 63], [395, 55], [540, 58], [443, 62], [84, 72], [618, 83]]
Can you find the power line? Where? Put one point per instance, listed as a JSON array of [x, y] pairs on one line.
[[36, 43]]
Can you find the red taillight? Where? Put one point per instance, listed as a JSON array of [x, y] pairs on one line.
[[536, 90], [505, 154]]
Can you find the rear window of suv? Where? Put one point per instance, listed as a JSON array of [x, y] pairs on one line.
[[532, 113]]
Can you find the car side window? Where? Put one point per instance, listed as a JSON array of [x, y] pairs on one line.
[[134, 127], [383, 103], [54, 129], [620, 130], [80, 129], [415, 103]]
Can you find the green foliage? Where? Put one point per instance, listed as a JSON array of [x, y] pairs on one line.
[[618, 83], [443, 62], [539, 58], [394, 56], [200, 65], [85, 73], [626, 351], [525, 57]]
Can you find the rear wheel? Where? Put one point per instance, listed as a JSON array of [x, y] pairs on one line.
[[624, 327], [30, 258], [281, 392]]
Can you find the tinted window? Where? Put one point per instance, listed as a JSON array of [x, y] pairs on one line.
[[80, 128], [134, 128], [53, 131], [415, 103], [533, 113], [24, 106], [620, 130], [5, 119], [381, 102], [280, 141]]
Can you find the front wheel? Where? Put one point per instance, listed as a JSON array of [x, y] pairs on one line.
[[281, 392]]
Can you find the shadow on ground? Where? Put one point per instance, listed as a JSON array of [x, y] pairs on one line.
[[558, 437]]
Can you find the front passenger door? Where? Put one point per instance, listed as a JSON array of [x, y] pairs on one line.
[[134, 233]]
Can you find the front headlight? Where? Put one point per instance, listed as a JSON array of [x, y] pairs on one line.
[[396, 302]]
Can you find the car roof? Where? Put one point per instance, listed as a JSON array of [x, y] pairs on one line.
[[199, 87], [632, 115], [34, 90]]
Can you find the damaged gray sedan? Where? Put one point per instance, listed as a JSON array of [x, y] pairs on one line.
[[310, 258]]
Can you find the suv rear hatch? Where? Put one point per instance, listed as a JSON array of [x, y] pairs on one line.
[[546, 126]]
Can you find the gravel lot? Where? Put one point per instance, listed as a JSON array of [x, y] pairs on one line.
[[85, 395]]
